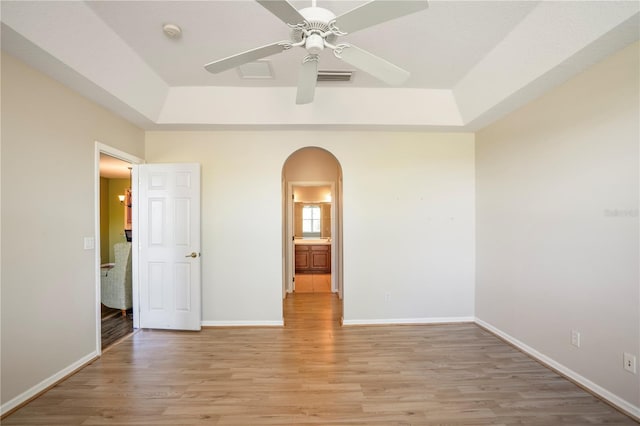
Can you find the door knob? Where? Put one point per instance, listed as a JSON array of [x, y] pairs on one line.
[[193, 254]]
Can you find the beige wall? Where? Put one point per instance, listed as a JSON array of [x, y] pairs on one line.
[[557, 220], [419, 251], [104, 220], [116, 214], [49, 305]]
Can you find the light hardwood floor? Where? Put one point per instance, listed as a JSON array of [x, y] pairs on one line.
[[313, 283], [313, 371]]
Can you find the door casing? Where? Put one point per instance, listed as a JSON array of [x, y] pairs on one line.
[[101, 148]]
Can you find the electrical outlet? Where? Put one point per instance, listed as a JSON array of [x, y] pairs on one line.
[[575, 338], [629, 361], [387, 296]]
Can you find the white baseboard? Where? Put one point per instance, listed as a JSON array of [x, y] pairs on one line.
[[46, 383], [567, 372], [279, 323], [436, 320]]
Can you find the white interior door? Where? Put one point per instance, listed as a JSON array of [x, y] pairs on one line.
[[169, 246]]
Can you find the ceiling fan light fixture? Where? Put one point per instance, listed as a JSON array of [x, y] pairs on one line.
[[314, 44]]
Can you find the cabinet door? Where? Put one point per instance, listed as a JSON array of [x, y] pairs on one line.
[[321, 259], [302, 259]]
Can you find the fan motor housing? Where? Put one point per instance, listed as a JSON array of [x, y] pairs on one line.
[[318, 19]]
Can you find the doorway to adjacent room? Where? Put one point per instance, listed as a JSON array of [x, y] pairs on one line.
[[312, 226], [115, 316]]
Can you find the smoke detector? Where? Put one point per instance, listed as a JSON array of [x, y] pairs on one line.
[[172, 31]]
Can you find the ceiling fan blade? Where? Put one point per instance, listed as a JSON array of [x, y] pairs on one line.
[[371, 64], [376, 12], [283, 10], [307, 80], [244, 57]]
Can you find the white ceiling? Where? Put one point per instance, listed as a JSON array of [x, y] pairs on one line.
[[470, 62], [217, 29]]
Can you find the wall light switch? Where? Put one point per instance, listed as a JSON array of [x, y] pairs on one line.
[[89, 243], [575, 338]]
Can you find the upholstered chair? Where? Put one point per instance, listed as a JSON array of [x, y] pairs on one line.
[[116, 282]]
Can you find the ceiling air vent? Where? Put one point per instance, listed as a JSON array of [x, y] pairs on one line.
[[256, 70], [334, 75]]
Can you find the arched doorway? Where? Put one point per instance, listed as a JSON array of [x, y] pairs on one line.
[[312, 218]]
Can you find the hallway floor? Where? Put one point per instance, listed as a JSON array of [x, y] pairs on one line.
[[313, 283]]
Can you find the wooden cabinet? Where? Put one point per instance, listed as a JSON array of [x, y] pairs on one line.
[[313, 258], [302, 258], [320, 259]]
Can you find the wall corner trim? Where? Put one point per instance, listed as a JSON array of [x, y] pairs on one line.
[[609, 397], [33, 392]]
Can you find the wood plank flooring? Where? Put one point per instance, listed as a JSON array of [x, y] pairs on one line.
[[313, 283], [313, 371], [114, 326]]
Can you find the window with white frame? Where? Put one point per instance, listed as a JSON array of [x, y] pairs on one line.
[[311, 216]]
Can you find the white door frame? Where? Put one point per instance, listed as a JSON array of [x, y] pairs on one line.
[[101, 148], [289, 227], [339, 246], [287, 205]]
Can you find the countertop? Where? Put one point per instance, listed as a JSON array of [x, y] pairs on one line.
[[315, 241]]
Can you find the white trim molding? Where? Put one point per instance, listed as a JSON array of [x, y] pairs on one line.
[[278, 323], [392, 321], [598, 390], [101, 148], [47, 383]]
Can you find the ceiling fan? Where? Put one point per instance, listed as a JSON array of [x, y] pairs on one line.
[[315, 29]]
